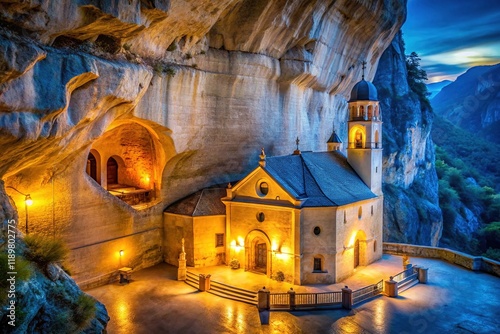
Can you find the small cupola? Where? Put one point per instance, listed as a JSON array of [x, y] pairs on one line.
[[363, 90], [334, 143]]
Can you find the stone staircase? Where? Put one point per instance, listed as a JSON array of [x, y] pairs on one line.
[[224, 290], [232, 292], [192, 280], [408, 284]]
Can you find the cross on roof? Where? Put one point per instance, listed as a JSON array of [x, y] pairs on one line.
[[363, 68]]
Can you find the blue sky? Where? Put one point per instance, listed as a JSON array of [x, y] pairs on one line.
[[453, 35]]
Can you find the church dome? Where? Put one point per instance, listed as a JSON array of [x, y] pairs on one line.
[[363, 91]]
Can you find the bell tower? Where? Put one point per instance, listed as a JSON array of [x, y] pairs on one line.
[[364, 151]]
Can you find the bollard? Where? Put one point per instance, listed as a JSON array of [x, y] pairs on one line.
[[207, 282], [201, 283], [347, 298], [391, 288], [263, 299], [422, 275], [292, 299]]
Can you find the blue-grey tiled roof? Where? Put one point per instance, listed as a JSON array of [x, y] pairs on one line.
[[320, 178], [206, 202]]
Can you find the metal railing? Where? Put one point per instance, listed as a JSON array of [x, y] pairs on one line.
[[304, 300], [279, 300], [405, 276], [367, 292]]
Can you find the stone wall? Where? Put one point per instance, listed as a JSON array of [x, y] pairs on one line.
[[204, 230], [361, 221], [476, 263]]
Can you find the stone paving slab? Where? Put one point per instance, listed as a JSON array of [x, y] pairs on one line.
[[455, 300]]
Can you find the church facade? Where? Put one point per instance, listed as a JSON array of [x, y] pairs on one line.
[[306, 218]]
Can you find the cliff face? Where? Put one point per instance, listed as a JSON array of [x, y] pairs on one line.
[[472, 102], [411, 203], [210, 82]]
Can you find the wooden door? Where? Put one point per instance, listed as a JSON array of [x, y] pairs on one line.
[[356, 253], [112, 169], [261, 256]]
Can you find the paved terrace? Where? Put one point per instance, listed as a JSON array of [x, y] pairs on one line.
[[455, 300]]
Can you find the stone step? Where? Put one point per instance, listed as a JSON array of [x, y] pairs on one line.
[[233, 289], [232, 293], [407, 285], [239, 298]]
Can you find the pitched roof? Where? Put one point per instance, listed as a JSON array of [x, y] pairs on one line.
[[319, 178], [205, 202]]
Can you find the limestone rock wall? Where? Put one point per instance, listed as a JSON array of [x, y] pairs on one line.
[[411, 207], [212, 83]]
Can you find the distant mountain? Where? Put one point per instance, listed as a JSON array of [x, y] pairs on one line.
[[435, 87], [472, 102]]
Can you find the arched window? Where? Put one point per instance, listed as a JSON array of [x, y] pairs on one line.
[[112, 171], [377, 144], [92, 166], [370, 112], [358, 139]]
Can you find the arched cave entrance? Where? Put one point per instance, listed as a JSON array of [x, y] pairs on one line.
[[132, 162]]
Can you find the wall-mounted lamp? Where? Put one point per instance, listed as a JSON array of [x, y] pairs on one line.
[[277, 198], [27, 202], [121, 252]]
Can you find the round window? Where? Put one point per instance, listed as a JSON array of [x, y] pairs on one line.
[[317, 230], [264, 188], [261, 217]]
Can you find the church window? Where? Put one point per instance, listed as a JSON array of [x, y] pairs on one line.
[[345, 218], [261, 217], [374, 245], [317, 230], [360, 212], [372, 210], [262, 189], [319, 264], [219, 240]]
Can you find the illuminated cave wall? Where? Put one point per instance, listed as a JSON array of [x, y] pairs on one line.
[[133, 148]]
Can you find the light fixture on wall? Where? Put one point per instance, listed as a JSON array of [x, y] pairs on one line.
[[28, 201], [121, 252]]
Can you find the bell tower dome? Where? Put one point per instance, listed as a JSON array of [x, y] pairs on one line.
[[364, 151]]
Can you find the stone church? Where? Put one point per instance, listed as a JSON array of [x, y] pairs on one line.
[[309, 217]]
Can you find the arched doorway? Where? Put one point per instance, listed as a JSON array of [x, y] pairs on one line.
[[258, 252], [92, 166], [359, 258], [112, 171]]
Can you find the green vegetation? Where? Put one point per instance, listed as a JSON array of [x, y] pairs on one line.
[[471, 154], [416, 78], [459, 191], [22, 268], [74, 314], [44, 250]]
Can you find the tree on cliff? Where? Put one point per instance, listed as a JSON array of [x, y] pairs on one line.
[[416, 77]]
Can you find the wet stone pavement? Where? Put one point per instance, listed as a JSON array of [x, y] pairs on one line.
[[455, 300]]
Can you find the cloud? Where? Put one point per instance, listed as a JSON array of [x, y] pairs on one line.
[[453, 35]]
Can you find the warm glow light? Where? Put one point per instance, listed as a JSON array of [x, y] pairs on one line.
[[28, 200], [233, 243], [122, 252], [353, 239], [241, 241]]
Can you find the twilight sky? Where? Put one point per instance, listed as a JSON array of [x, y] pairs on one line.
[[453, 35]]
